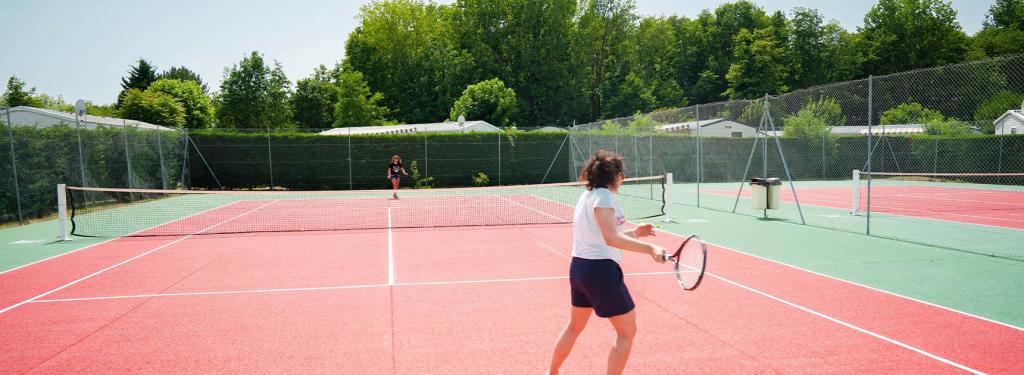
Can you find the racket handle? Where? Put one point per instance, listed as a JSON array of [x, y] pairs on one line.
[[666, 257]]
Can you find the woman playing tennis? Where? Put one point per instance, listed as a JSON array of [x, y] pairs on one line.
[[595, 278], [393, 173]]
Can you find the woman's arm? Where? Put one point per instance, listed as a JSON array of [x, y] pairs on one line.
[[605, 217]]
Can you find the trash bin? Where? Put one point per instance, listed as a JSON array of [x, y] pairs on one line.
[[765, 192]]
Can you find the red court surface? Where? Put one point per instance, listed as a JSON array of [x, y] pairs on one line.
[[481, 300], [974, 206]]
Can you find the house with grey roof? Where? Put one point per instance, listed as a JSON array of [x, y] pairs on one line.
[[1011, 122]]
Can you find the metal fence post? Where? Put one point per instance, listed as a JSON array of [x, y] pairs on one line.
[[127, 154], [160, 150], [78, 134], [935, 155], [350, 158], [426, 158], [700, 155], [823, 135], [14, 165], [184, 158], [270, 160], [871, 91], [499, 159]]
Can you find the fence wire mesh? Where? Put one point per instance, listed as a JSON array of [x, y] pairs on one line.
[[931, 126], [946, 122]]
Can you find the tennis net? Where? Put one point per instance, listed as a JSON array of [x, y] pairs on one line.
[[112, 212]]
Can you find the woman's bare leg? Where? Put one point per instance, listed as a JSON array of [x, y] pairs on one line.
[[577, 322], [625, 330]]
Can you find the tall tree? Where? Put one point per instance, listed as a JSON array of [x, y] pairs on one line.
[[196, 105], [314, 100], [526, 44], [406, 50], [357, 105], [152, 107], [139, 77], [1003, 31], [1006, 14], [757, 69], [602, 43], [489, 101], [16, 95], [254, 95], [910, 34], [807, 46], [182, 73], [724, 25]]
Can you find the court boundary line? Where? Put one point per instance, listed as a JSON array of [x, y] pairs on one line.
[[848, 213], [527, 279], [9, 308], [850, 326], [323, 288], [391, 253], [854, 283], [113, 239], [534, 209], [836, 278]]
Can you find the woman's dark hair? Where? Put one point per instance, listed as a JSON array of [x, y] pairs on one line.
[[601, 170]]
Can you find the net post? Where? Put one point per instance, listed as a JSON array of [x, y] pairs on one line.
[[668, 199], [62, 208], [856, 192]]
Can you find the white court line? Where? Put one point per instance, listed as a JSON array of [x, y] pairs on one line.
[[527, 279], [950, 309], [9, 308], [313, 289], [391, 253], [533, 209], [851, 326], [112, 239]]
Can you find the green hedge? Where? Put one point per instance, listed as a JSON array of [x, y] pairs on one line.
[[309, 161], [305, 161], [49, 156]]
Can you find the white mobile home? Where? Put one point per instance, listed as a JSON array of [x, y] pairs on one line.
[[437, 127], [42, 118], [716, 127]]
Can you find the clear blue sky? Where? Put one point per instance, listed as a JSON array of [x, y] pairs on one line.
[[81, 49]]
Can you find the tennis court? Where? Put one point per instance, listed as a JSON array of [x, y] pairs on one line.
[[235, 284]]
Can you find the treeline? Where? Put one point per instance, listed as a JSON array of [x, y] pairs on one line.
[[533, 63]]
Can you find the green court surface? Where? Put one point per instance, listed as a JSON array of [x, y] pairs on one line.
[[982, 285], [827, 204]]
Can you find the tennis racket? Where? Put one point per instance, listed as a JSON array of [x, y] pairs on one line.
[[689, 262]]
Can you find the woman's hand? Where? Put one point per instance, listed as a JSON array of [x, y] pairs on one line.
[[644, 230], [658, 253]]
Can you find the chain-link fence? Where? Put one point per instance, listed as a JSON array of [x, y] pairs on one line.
[[935, 149], [128, 156], [35, 158], [314, 159]]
